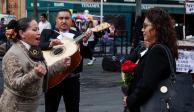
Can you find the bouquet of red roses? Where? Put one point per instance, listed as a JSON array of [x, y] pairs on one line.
[[127, 68]]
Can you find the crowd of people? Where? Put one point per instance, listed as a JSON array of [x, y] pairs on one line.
[[26, 73]]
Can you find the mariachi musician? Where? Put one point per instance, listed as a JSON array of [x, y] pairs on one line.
[[69, 87]]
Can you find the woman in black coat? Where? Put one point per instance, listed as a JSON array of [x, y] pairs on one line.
[[153, 65]]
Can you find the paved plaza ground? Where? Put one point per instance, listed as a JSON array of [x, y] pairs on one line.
[[100, 90]]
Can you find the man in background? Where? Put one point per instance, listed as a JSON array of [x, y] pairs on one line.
[[43, 24]]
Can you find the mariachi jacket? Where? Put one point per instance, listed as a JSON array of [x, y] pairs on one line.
[[22, 86]]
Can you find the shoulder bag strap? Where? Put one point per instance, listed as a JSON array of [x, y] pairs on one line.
[[171, 60]]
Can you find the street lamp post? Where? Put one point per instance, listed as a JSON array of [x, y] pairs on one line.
[[35, 9], [7, 7], [48, 11], [101, 11], [138, 9], [184, 21]]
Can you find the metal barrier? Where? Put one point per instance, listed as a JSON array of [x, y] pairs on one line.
[[119, 46]]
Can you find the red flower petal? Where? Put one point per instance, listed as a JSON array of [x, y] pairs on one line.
[[128, 66]]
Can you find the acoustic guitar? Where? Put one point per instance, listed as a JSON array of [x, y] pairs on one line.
[[69, 48]]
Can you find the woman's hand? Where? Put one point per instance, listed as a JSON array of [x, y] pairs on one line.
[[55, 42], [40, 70], [67, 61]]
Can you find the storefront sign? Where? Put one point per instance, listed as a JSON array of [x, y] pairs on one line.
[[90, 5], [58, 4], [145, 6], [32, 5], [129, 0]]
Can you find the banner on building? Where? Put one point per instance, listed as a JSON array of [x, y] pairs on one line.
[[189, 7], [185, 61]]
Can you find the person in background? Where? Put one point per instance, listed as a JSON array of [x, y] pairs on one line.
[[91, 44], [108, 38], [153, 66], [137, 33], [179, 29], [74, 26], [69, 88], [2, 34], [24, 69], [43, 24], [2, 21], [3, 40]]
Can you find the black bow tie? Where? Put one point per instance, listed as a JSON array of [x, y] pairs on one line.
[[36, 54]]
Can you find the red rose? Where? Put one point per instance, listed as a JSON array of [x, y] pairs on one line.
[[128, 66]]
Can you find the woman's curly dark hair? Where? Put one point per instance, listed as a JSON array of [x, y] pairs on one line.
[[22, 24], [165, 32]]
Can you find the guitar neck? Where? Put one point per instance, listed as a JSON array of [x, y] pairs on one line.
[[77, 39], [97, 28]]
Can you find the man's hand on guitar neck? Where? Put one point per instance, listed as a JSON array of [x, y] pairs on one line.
[[87, 36]]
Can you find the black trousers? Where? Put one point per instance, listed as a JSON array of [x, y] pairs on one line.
[[89, 50], [70, 90]]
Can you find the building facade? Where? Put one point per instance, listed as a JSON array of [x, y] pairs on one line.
[[119, 12], [13, 7]]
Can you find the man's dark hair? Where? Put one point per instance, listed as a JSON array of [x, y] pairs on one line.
[[64, 10], [44, 15]]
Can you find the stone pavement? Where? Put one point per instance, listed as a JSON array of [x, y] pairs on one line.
[[100, 90]]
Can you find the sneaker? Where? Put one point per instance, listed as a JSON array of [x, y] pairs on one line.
[[93, 58], [91, 62]]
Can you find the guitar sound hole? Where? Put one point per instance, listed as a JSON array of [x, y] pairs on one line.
[[57, 51]]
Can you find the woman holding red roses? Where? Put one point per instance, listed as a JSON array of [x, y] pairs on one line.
[[153, 66], [128, 66]]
